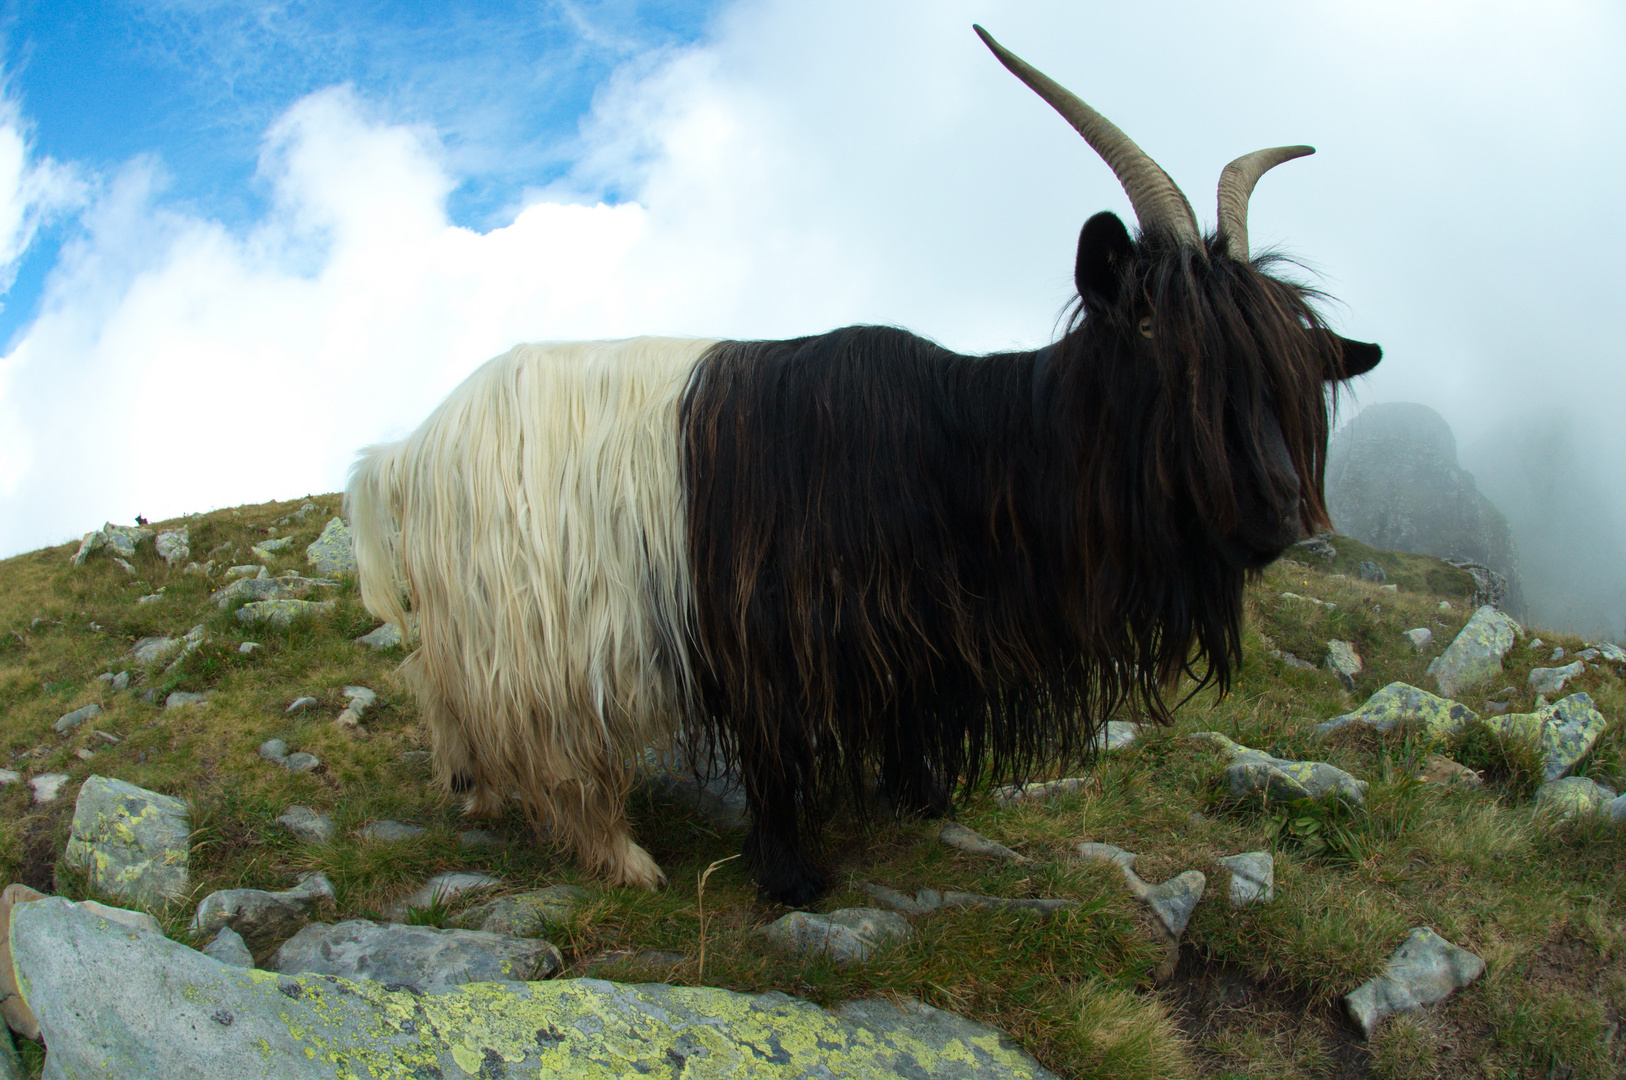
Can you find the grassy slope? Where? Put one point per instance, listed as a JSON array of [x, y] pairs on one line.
[[1256, 993]]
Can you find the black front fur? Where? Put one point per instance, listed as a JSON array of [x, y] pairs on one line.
[[926, 568]]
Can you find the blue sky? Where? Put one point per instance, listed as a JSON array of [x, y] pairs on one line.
[[240, 241], [195, 85]]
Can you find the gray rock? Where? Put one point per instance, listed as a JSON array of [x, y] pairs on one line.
[[1558, 654], [151, 598], [1171, 902], [301, 762], [1611, 652], [248, 647], [1614, 810], [846, 936], [307, 824], [138, 1006], [423, 957], [442, 888], [1589, 655], [154, 650], [92, 543], [229, 948], [1475, 654], [300, 705], [1573, 796], [929, 900], [971, 842], [46, 785], [1400, 703], [524, 914], [384, 637], [1319, 547], [390, 830], [274, 750], [175, 547], [265, 549], [180, 698], [124, 539], [263, 918], [9, 776], [1344, 662], [1420, 638], [361, 698], [282, 613], [1309, 600], [247, 570], [69, 721], [130, 842], [1564, 731], [332, 553], [1253, 877], [1116, 735], [715, 794], [138, 920], [474, 838], [289, 586], [1371, 571], [1425, 969], [1551, 680], [1280, 779]]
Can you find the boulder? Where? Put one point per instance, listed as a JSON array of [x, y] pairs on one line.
[[124, 539], [332, 553], [1551, 680], [282, 613], [130, 842], [1564, 731], [846, 935], [1573, 796], [1475, 654], [1402, 703], [135, 1005], [1281, 779], [1425, 969], [425, 958]]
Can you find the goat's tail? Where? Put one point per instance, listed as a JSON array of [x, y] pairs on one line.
[[372, 502]]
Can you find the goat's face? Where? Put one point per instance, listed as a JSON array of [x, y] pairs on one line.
[[1220, 373]]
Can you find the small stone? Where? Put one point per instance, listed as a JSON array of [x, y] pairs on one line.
[[390, 830], [1425, 969], [332, 552], [1447, 773], [153, 650], [1587, 655], [46, 785], [1612, 652], [961, 838], [1116, 735], [1012, 794], [1445, 605], [229, 948], [274, 750], [1308, 600], [265, 549], [479, 838], [69, 721], [248, 647], [1108, 853], [130, 842], [1371, 571], [1614, 810], [361, 698], [300, 705], [121, 682], [1572, 796], [1545, 680], [348, 717], [425, 958], [83, 754], [846, 936], [387, 636], [301, 762], [1420, 638], [1253, 877], [179, 699], [524, 914], [306, 824], [247, 570], [151, 598], [1280, 779], [1558, 654], [1344, 662], [9, 776], [263, 918], [442, 888], [109, 737]]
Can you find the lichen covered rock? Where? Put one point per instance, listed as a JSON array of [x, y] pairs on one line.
[[332, 553], [281, 613], [1475, 654], [1402, 703], [1564, 731], [1425, 969], [130, 842], [1281, 779]]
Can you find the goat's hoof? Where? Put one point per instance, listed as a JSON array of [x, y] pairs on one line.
[[637, 870], [794, 891]]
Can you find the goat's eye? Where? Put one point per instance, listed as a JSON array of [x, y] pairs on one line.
[[1146, 326]]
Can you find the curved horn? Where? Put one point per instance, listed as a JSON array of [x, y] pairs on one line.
[[1236, 185], [1157, 201]]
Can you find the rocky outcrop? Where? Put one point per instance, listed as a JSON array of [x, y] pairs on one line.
[[1393, 482]]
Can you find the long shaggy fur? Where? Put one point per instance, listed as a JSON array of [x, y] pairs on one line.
[[535, 522]]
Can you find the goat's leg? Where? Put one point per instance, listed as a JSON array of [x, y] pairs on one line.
[[907, 778], [773, 849], [589, 815]]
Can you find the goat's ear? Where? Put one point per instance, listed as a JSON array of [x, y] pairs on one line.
[[1354, 358], [1104, 248]]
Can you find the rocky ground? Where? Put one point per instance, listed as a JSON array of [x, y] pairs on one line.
[[1395, 849]]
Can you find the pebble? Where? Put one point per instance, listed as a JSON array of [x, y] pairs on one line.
[[69, 721], [248, 647], [300, 705], [307, 824], [47, 785], [180, 698]]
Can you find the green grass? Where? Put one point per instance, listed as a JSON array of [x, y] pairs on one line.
[[1256, 992]]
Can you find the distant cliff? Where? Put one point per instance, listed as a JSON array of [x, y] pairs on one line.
[[1393, 482]]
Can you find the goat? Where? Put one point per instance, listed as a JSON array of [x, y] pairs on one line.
[[857, 555]]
